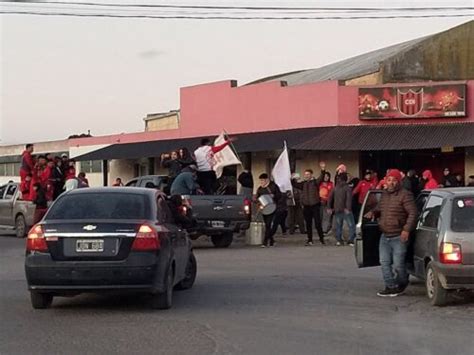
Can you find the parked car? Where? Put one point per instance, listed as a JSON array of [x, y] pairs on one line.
[[102, 239], [15, 214], [441, 249], [217, 216]]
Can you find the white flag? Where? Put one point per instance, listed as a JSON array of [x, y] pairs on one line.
[[281, 172], [225, 157]]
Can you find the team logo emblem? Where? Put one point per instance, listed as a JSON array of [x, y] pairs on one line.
[[410, 103]]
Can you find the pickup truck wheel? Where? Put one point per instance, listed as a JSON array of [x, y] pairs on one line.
[[20, 226], [434, 290], [41, 300], [222, 240], [164, 300], [190, 276]]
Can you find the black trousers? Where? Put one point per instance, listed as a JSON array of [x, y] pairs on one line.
[[310, 213], [295, 217], [207, 181], [272, 221]]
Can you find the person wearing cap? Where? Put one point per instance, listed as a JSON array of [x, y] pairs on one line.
[[185, 183], [428, 181], [397, 215], [363, 187]]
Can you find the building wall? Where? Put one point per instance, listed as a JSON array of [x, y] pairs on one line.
[[41, 147], [122, 168], [162, 123], [369, 79]]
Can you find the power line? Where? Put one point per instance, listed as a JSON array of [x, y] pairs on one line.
[[197, 17], [266, 8]]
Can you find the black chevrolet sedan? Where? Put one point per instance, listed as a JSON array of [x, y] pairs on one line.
[[106, 239]]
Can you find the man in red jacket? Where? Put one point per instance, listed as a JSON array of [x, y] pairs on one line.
[[364, 186], [27, 162]]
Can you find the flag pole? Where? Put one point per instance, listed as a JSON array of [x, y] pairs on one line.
[[226, 136]]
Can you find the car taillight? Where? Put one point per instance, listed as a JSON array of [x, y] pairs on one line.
[[36, 240], [450, 253], [146, 239], [247, 205]]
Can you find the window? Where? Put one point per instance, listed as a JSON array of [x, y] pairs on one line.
[[2, 191], [463, 215], [16, 169], [430, 215], [2, 169], [373, 200], [100, 206], [91, 166], [11, 189], [164, 213]]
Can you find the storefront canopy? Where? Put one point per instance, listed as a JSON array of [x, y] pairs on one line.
[[248, 142], [341, 138], [392, 137]]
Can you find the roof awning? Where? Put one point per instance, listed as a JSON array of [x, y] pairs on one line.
[[247, 142], [341, 138], [392, 137]]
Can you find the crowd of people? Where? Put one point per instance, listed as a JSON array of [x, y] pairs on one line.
[[44, 177], [327, 203], [191, 174]]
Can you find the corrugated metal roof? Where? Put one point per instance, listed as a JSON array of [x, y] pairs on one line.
[[392, 137], [350, 68]]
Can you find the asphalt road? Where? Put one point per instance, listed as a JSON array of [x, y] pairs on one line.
[[289, 299]]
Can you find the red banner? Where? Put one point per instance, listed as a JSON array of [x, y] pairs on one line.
[[447, 100]]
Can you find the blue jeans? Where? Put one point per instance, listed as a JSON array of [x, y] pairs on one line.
[[349, 218], [392, 253]]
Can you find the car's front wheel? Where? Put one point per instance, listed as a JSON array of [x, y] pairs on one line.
[[435, 291], [191, 272], [41, 300], [164, 300], [223, 240]]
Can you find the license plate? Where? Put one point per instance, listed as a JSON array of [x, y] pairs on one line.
[[217, 224], [90, 246]]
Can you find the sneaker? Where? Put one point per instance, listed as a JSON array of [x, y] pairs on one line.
[[263, 246], [338, 244], [351, 244], [403, 287], [322, 241], [309, 244], [389, 292]]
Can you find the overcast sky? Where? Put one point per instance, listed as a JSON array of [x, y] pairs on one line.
[[65, 75]]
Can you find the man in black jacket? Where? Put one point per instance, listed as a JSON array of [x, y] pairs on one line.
[[311, 202], [272, 221], [340, 202]]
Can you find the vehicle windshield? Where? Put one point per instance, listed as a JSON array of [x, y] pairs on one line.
[[463, 214], [100, 206]]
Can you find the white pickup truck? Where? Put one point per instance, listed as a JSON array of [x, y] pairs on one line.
[[15, 214]]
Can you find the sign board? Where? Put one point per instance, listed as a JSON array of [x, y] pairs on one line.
[[437, 101]]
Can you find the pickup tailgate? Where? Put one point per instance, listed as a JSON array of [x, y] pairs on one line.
[[219, 208]]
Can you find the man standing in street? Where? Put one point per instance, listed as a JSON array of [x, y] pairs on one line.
[[272, 221], [311, 202], [340, 201], [397, 218]]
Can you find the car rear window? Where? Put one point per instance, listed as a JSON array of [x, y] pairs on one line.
[[100, 206], [463, 214]]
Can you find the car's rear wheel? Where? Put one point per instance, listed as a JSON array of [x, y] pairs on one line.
[[164, 300], [41, 300], [436, 293], [223, 240], [191, 272], [20, 226]]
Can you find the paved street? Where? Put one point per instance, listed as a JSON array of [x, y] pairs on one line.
[[285, 300]]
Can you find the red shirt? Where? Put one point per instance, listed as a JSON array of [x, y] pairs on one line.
[[325, 189], [363, 188], [431, 184]]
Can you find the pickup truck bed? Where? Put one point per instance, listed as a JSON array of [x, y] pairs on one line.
[[15, 214]]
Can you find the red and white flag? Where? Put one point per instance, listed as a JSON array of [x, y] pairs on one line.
[[225, 157]]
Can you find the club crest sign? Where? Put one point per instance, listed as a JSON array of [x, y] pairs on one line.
[[410, 102], [413, 102]]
